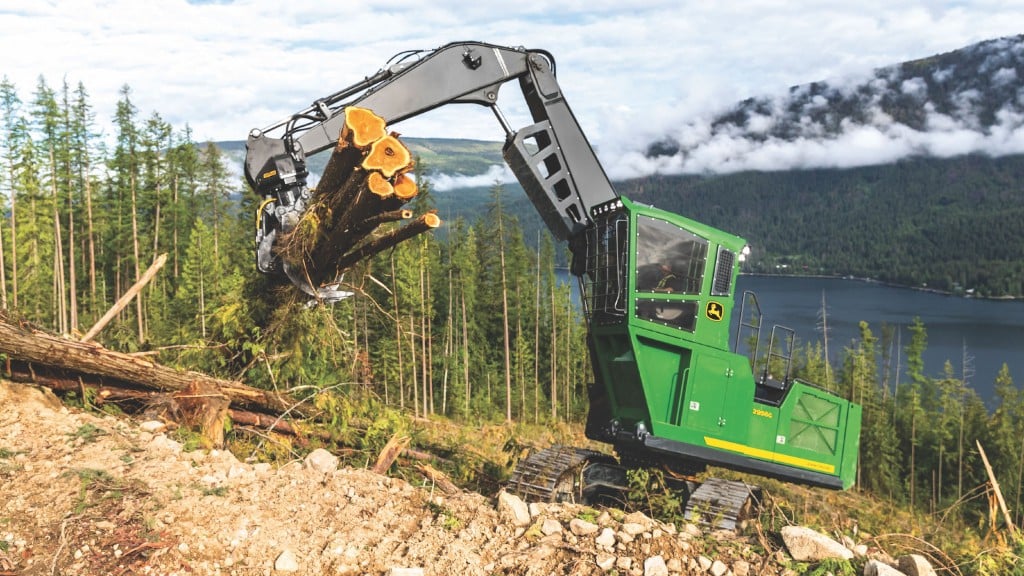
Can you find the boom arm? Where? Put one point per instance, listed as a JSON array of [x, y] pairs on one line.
[[551, 158]]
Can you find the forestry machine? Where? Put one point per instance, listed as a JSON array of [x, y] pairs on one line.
[[658, 292]]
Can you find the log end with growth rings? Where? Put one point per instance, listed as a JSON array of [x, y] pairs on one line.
[[431, 219], [362, 127], [389, 156], [405, 187], [379, 185]]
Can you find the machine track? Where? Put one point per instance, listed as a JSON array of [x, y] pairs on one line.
[[556, 474], [721, 504], [552, 474]]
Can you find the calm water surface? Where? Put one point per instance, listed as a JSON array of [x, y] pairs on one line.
[[991, 330]]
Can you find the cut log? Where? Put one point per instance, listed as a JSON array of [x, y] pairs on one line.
[[389, 156], [385, 217], [362, 127], [266, 422], [377, 184], [365, 181], [405, 187], [344, 159], [150, 403], [424, 223]]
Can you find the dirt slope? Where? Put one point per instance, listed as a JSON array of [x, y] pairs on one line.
[[88, 494]]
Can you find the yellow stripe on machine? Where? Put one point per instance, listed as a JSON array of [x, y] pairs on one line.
[[769, 455]]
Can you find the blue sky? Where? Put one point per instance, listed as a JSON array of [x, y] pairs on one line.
[[628, 68]]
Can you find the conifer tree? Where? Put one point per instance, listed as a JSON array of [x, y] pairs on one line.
[[9, 141], [81, 254], [120, 238], [34, 215], [914, 405]]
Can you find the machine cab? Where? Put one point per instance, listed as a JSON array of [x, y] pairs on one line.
[[673, 274], [659, 293]]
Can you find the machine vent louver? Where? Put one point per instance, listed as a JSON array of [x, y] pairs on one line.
[[723, 272]]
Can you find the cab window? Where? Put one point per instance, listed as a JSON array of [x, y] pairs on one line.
[[669, 259]]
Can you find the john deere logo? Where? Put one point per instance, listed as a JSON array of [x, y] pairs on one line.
[[714, 311]]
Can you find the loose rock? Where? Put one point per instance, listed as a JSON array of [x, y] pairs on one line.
[[877, 568], [915, 565], [655, 566], [551, 526], [604, 561], [286, 562], [607, 538], [512, 509], [806, 545], [322, 461], [581, 527]]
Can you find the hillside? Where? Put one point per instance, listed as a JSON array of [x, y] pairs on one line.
[[961, 102], [948, 224], [909, 174], [90, 493]]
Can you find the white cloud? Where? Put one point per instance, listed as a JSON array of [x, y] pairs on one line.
[[495, 174], [1005, 76], [632, 71]]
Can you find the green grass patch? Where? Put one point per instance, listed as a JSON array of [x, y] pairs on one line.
[[190, 440], [445, 516], [88, 433], [215, 491], [588, 515]]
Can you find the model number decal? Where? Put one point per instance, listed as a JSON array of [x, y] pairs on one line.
[[762, 413]]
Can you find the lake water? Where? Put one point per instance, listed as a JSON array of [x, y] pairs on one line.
[[991, 330]]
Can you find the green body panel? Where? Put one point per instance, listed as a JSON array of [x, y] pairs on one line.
[[671, 384]]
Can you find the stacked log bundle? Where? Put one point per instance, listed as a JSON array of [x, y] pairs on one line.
[[365, 184]]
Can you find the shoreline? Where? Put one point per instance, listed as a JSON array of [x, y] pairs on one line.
[[965, 296]]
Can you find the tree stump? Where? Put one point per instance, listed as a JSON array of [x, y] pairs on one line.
[[203, 406]]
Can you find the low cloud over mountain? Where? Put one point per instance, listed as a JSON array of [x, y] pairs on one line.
[[962, 102]]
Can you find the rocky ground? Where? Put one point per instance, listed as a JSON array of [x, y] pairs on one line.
[[82, 493]]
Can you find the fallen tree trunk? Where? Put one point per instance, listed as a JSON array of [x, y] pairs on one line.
[[390, 453], [150, 403], [440, 479], [127, 297], [21, 341]]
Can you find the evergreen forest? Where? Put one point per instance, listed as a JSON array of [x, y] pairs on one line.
[[472, 325], [951, 225]]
